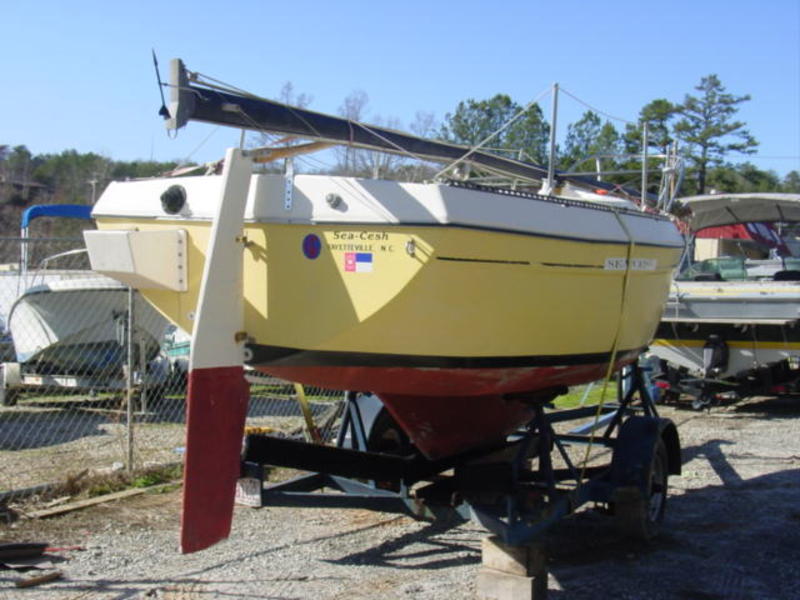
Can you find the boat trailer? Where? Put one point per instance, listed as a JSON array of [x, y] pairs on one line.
[[514, 489], [711, 386]]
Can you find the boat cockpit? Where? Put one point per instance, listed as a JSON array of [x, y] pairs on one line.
[[741, 268]]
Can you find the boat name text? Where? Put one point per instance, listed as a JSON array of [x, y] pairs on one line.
[[637, 264], [362, 236]]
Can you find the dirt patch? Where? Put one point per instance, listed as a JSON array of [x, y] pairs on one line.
[[74, 528]]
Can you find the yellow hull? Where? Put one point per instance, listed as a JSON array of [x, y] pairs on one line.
[[429, 291]]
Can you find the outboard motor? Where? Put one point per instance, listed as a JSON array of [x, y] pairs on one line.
[[715, 356]]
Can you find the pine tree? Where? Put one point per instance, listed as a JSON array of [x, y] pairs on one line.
[[706, 126], [474, 121]]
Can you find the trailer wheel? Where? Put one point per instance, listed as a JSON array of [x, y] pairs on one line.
[[387, 437], [638, 515]]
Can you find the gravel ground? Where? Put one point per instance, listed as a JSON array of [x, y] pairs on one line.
[[731, 532]]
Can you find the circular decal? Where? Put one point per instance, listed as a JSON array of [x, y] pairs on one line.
[[311, 246]]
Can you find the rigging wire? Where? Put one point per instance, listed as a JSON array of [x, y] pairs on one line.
[[596, 110], [187, 158], [384, 139], [486, 140]]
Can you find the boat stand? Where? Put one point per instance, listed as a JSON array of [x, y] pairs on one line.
[[513, 489]]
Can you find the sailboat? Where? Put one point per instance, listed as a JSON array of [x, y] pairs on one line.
[[459, 305]]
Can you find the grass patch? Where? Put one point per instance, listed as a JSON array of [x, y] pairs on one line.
[[157, 476], [86, 485], [116, 482], [579, 394]]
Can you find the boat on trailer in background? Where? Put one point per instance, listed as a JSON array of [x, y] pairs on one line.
[[731, 324], [462, 307], [67, 323]]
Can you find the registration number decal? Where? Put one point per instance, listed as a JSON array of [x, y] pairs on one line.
[[637, 264]]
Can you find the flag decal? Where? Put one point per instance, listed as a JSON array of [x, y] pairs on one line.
[[358, 262]]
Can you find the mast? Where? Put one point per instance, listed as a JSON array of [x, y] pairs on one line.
[[644, 164], [192, 100], [551, 157]]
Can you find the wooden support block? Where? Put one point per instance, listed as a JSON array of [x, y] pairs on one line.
[[528, 561], [512, 572]]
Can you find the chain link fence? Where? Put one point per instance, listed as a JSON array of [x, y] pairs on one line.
[[93, 379]]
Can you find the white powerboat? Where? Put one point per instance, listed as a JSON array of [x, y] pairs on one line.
[[731, 319], [72, 321]]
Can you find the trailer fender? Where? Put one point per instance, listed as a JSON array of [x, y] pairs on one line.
[[634, 448]]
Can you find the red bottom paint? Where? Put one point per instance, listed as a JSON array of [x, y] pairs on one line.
[[215, 414], [448, 411], [442, 426]]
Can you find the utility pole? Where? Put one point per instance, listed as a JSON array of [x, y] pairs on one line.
[[93, 182]]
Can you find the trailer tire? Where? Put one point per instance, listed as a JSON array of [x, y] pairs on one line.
[[639, 515], [387, 437]]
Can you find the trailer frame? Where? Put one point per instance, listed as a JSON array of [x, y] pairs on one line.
[[496, 486]]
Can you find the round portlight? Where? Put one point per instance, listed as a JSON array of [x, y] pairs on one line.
[[173, 200], [333, 200]]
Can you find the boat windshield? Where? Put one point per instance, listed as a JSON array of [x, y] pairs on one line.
[[744, 251], [721, 268]]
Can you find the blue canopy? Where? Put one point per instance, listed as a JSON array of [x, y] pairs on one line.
[[70, 211]]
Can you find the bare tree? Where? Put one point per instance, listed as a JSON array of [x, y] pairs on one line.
[[354, 108], [424, 124], [288, 96], [378, 164]]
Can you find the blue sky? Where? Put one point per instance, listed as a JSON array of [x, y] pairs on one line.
[[79, 74]]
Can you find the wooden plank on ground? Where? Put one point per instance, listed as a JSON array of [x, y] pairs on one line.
[[65, 508]]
